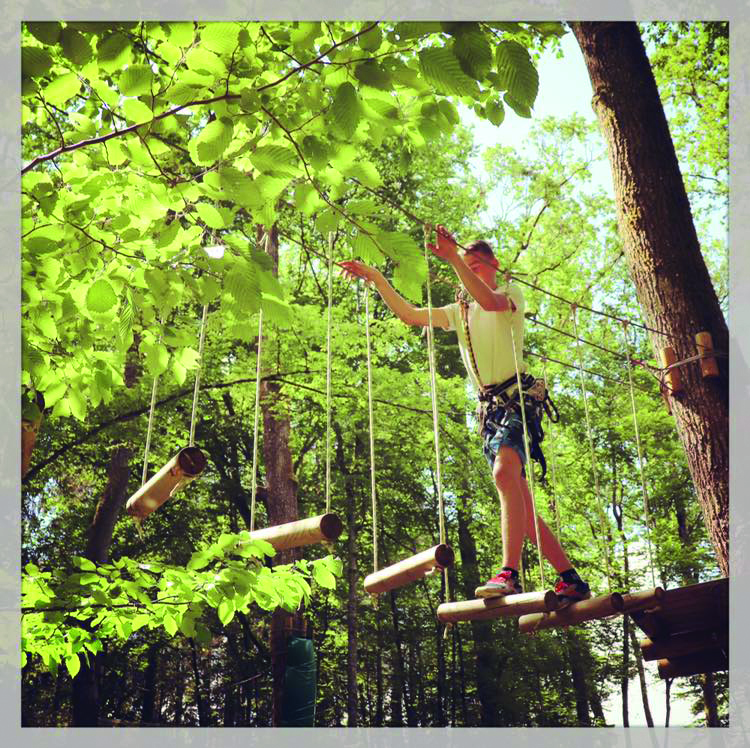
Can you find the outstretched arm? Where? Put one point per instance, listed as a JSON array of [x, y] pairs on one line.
[[405, 311]]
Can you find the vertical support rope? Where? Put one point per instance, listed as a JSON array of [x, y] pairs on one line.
[[149, 429], [196, 389], [640, 454], [433, 392], [602, 517], [328, 374], [372, 436], [529, 465], [553, 460]]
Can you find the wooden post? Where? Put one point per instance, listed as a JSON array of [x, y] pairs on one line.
[[186, 465], [410, 569], [673, 377], [702, 662], [585, 610], [680, 645], [634, 601], [709, 367], [483, 609], [323, 528]]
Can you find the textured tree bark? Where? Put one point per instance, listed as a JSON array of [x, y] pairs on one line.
[[85, 686], [664, 258], [200, 701], [624, 680], [579, 679], [282, 499], [489, 665], [668, 700], [149, 687], [352, 708], [710, 706]]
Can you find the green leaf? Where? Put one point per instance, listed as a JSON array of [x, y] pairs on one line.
[[346, 109], [47, 32], [275, 159], [242, 282], [417, 29], [53, 393], [199, 560], [306, 199], [137, 112], [100, 297], [519, 107], [474, 54], [35, 61], [371, 40], [78, 404], [372, 74], [62, 88], [157, 357], [84, 564], [136, 80], [187, 625], [113, 52], [202, 61], [73, 664], [75, 46], [220, 38], [226, 611], [324, 577], [315, 151], [448, 111], [240, 188], [212, 141], [517, 74], [181, 33], [210, 216], [170, 625], [441, 68], [495, 111]]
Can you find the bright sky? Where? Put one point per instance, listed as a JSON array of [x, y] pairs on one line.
[[565, 89]]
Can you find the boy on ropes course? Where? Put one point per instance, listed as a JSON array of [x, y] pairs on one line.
[[488, 322]]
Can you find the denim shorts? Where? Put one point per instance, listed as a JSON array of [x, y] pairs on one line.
[[503, 429]]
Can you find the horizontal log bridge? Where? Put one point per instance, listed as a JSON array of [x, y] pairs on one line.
[[186, 465], [483, 609], [680, 645], [590, 610], [410, 569], [708, 661], [320, 529]]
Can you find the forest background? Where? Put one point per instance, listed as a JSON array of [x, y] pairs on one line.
[[546, 187]]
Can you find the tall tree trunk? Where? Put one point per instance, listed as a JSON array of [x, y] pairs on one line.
[[200, 701], [578, 675], [351, 576], [667, 700], [282, 496], [399, 673], [710, 707], [624, 678], [641, 678], [85, 686], [149, 686], [663, 254], [379, 685], [489, 665]]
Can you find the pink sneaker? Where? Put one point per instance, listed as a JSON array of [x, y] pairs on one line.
[[503, 583]]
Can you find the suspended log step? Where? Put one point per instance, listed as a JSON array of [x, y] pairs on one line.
[[410, 569], [325, 528], [184, 467], [486, 608], [592, 609]]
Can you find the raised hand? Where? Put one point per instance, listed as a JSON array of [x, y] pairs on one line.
[[446, 247], [356, 269]]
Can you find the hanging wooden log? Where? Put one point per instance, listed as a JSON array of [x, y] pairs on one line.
[[486, 608], [320, 529], [410, 569], [709, 367], [673, 377], [186, 465], [708, 661], [680, 645], [590, 610]]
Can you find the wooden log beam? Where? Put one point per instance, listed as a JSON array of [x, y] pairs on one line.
[[186, 465], [649, 623], [585, 610], [410, 569], [680, 645], [486, 608], [323, 528], [634, 601], [708, 661]]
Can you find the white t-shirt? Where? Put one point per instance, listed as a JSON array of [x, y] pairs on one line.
[[491, 338]]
